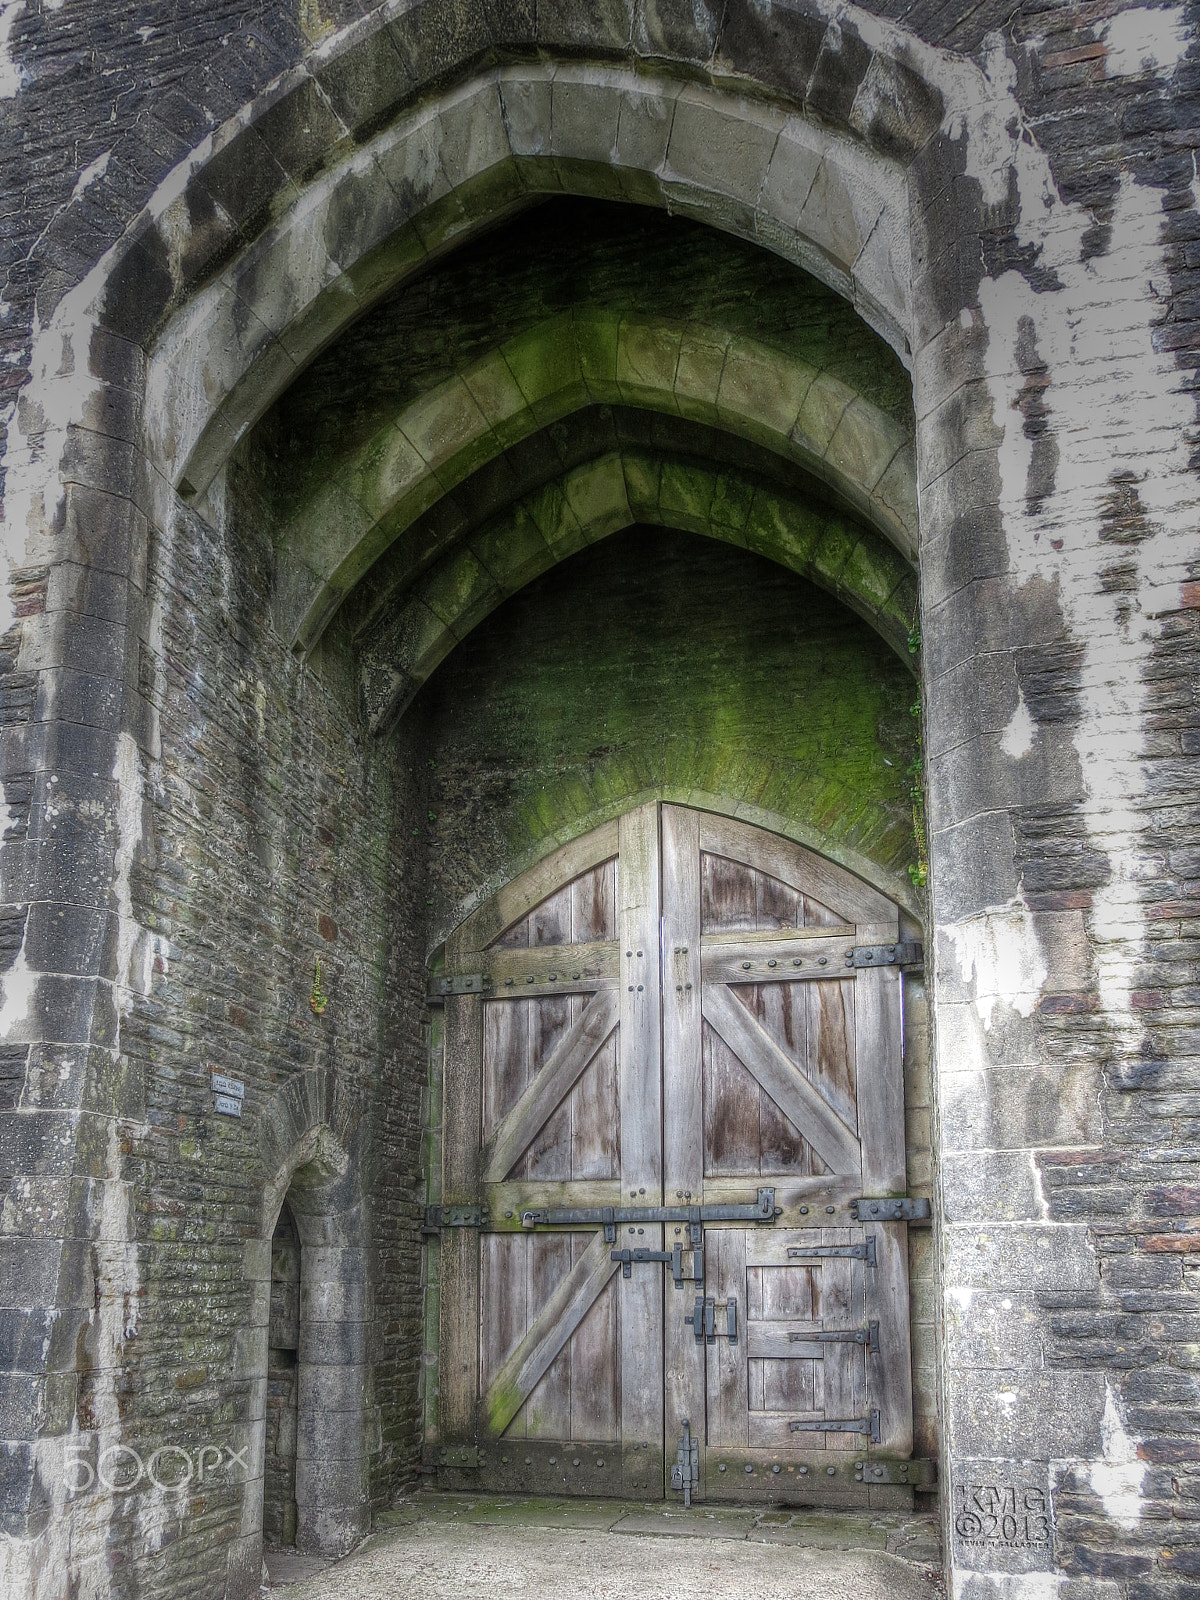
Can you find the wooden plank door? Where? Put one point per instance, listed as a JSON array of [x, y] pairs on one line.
[[783, 1067], [551, 1362]]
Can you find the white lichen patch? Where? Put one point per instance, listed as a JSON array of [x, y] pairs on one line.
[[1145, 39], [998, 952], [1017, 739], [1117, 1478]]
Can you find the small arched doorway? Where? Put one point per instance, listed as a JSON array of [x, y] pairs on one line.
[[283, 1356]]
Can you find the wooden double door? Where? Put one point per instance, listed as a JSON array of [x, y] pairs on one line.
[[666, 1086]]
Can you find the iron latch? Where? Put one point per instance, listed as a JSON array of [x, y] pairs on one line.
[[629, 1258], [868, 1425], [868, 1336], [438, 1217], [465, 983], [704, 1320], [908, 953], [686, 1470], [854, 1252], [886, 1209]]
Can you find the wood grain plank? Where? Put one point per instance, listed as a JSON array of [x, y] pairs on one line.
[[575, 1048], [773, 1340], [517, 899], [641, 1295], [561, 1313], [458, 1374], [836, 888], [790, 1090], [683, 1098], [576, 968], [728, 1378], [595, 1375], [548, 1408]]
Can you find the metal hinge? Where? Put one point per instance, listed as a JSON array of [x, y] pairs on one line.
[[868, 1336], [438, 1217], [466, 1457], [855, 1252], [466, 983], [905, 954], [887, 1209], [868, 1425]]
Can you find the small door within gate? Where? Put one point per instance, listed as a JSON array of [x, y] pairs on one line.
[[672, 1228]]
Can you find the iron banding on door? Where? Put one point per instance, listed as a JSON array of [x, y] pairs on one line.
[[868, 1425], [853, 1252]]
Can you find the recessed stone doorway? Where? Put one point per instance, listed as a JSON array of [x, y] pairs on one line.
[[453, 1547]]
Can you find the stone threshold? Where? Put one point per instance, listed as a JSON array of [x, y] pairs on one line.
[[912, 1537]]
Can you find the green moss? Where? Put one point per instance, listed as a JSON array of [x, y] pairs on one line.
[[662, 663]]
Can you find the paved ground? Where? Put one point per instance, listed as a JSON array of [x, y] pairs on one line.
[[456, 1547]]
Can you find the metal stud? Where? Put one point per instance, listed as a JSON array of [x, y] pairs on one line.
[[823, 962], [796, 961], [831, 1472], [772, 963], [745, 966], [775, 1469]]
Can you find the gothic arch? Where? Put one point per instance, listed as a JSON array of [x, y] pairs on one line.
[[313, 1152]]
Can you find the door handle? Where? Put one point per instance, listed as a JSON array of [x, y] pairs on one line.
[[703, 1320]]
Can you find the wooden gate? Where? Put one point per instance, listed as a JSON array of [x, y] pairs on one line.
[[669, 1080]]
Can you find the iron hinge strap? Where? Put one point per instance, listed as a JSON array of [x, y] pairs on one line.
[[868, 1425], [438, 1217], [908, 953], [465, 983], [868, 1336], [887, 1208], [763, 1209], [853, 1252]]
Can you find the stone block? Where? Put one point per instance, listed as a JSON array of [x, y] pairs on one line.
[[1021, 1108], [526, 97], [364, 79], [1025, 1416], [973, 864], [719, 151], [1053, 1258], [642, 131], [585, 112], [990, 1330]]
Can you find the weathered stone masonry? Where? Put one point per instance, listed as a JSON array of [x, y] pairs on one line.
[[194, 811]]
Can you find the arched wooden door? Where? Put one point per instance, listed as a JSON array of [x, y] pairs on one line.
[[673, 1070]]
